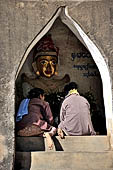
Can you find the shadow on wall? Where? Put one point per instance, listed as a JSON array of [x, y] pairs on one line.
[[22, 161]]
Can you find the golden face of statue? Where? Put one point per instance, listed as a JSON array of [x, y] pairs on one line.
[[46, 65]]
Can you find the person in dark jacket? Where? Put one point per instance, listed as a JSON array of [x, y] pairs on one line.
[[75, 116], [38, 120]]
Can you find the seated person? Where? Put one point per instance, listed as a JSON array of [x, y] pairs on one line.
[[38, 120], [75, 116]]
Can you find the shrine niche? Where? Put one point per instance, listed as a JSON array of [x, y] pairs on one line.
[[56, 58]]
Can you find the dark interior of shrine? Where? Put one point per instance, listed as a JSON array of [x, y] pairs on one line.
[[75, 61]]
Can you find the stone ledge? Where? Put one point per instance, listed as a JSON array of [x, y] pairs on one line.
[[72, 161], [28, 144], [69, 144], [64, 160]]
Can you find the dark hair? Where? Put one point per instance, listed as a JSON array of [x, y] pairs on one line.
[[66, 89], [35, 93], [73, 85], [70, 86]]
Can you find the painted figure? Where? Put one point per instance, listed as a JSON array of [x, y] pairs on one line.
[[45, 57], [45, 62], [34, 117], [75, 116]]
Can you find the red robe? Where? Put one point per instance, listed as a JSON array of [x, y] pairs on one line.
[[39, 113]]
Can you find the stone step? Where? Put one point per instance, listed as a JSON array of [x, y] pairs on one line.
[[69, 144], [65, 160], [71, 153]]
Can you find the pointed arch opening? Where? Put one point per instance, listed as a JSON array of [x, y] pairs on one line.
[[62, 13]]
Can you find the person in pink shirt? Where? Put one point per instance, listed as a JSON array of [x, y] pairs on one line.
[[75, 119], [39, 120]]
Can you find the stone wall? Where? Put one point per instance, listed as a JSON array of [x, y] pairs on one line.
[[21, 21]]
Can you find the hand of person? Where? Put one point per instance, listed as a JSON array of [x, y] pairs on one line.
[[60, 133]]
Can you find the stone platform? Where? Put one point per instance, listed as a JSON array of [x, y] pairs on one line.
[[71, 153]]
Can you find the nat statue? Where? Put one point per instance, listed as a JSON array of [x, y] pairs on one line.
[[45, 62]]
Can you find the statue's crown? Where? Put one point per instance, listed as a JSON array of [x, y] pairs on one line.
[[46, 47]]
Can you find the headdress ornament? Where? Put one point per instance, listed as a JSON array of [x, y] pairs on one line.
[[46, 47]]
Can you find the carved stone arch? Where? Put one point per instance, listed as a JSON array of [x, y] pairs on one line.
[[62, 12]]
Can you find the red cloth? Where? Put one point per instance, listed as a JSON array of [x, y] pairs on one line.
[[46, 44]]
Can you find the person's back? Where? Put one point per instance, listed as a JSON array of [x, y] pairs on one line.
[[75, 109], [39, 114], [37, 118], [75, 115]]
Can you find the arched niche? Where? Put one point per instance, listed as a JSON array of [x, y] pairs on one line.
[[62, 13]]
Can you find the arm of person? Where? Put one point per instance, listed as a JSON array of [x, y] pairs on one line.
[[62, 119]]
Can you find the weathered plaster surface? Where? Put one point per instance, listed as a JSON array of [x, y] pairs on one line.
[[20, 21], [3, 148]]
